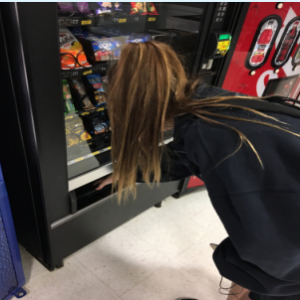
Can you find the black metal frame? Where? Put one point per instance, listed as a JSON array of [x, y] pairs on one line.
[[235, 24]]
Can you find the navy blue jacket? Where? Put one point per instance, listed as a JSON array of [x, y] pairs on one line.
[[259, 207]]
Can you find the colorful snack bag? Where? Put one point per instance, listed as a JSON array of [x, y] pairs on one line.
[[72, 55], [139, 8], [95, 81], [85, 101], [65, 8], [151, 8], [98, 92], [83, 7], [69, 106], [104, 8], [138, 38], [121, 7], [101, 128]]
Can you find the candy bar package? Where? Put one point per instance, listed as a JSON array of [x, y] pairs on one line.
[[81, 95], [95, 89], [99, 47], [72, 55]]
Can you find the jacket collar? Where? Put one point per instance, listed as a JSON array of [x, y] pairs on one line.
[[272, 104]]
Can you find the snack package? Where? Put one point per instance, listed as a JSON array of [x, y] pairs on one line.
[[85, 101], [122, 8], [151, 8], [138, 8], [97, 90], [101, 128], [95, 81], [65, 8], [104, 8], [143, 8], [83, 7], [75, 132], [72, 55], [104, 48], [69, 105], [138, 38]]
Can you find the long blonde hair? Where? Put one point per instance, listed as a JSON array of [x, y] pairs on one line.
[[147, 88]]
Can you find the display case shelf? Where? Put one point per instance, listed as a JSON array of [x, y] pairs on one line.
[[105, 20], [100, 68]]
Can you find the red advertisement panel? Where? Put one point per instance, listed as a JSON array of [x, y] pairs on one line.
[[267, 51], [194, 182]]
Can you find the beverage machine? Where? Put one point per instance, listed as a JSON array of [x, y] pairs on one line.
[[54, 122]]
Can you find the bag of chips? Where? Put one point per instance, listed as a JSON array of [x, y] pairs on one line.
[[82, 95], [151, 8], [83, 8], [138, 8], [96, 92], [72, 55], [104, 8], [65, 8]]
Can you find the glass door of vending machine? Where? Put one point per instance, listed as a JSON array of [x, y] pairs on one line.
[[57, 56]]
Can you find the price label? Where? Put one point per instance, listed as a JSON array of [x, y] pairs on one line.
[[85, 113], [151, 19], [122, 20], [87, 72], [79, 159], [100, 109], [86, 22]]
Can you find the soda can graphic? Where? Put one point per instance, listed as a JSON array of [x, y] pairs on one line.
[[263, 42], [287, 43]]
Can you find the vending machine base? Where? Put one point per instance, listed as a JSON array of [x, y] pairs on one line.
[[189, 185]]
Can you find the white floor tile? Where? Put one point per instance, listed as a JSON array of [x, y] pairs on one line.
[[161, 254], [198, 261], [197, 207], [169, 283], [73, 281], [168, 230], [121, 259], [31, 266]]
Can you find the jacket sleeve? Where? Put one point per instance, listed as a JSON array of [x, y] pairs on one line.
[[172, 168]]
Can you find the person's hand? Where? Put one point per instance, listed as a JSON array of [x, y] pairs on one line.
[[101, 183]]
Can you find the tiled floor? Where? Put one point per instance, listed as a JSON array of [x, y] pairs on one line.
[[162, 254]]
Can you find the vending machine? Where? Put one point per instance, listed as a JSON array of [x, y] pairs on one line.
[[263, 58], [267, 52], [53, 118]]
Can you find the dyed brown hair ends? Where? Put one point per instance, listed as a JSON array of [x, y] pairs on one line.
[[147, 88]]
